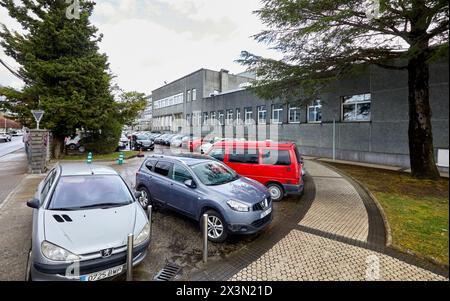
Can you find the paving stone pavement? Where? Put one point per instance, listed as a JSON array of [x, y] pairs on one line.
[[330, 242], [303, 256], [337, 208]]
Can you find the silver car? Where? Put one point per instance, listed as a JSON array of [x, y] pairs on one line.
[[82, 217]]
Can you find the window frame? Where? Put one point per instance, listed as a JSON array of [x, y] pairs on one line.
[[229, 121], [294, 108], [248, 121], [355, 104], [280, 114], [316, 104], [262, 109]]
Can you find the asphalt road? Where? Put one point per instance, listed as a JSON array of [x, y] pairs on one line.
[[13, 166], [9, 147]]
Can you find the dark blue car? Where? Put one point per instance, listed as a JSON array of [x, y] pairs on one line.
[[194, 185]]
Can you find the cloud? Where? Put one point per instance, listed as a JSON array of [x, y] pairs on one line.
[[152, 41]]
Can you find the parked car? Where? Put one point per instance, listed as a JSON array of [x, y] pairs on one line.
[[192, 144], [160, 139], [73, 143], [84, 213], [176, 141], [194, 185], [278, 166], [5, 136], [16, 133], [166, 140], [123, 143], [143, 142]]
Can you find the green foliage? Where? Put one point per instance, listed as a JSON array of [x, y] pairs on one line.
[[103, 141], [63, 71], [324, 39], [129, 106]]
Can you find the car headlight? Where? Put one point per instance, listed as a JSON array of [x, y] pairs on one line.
[[238, 206], [56, 253], [143, 235]]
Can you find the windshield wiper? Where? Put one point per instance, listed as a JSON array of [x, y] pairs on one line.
[[104, 205]]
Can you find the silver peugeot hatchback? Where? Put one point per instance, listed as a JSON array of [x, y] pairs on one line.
[[81, 220]]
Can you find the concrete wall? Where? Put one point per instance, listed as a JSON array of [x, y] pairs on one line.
[[383, 139]]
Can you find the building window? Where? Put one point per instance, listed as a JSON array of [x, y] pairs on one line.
[[213, 118], [315, 112], [188, 96], [294, 114], [194, 94], [221, 118], [277, 114], [188, 119], [248, 117], [262, 115], [229, 117], [205, 118], [356, 107], [238, 116]]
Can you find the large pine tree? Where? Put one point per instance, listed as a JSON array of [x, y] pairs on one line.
[[60, 63]]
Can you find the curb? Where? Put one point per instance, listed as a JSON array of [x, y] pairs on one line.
[[13, 192], [388, 232]]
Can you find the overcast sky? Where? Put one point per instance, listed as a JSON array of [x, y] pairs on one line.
[[152, 41]]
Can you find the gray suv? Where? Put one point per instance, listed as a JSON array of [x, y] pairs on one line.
[[82, 215], [194, 185]]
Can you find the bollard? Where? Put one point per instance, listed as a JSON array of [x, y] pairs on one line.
[[205, 238], [89, 159], [121, 157], [149, 212], [130, 257]]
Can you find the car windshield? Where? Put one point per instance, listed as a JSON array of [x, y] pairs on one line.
[[214, 173], [84, 192]]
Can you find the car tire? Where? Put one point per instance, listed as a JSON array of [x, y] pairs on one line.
[[215, 218], [145, 200], [72, 146], [276, 192]]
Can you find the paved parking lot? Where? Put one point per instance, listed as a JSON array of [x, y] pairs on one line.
[[324, 235]]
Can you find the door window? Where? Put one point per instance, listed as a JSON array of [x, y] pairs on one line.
[[180, 174], [163, 168], [247, 156], [276, 157], [218, 154], [48, 184], [150, 164]]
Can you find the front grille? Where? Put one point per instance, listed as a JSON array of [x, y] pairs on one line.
[[260, 206], [260, 222]]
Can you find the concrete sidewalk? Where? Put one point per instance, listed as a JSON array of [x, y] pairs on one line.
[[15, 229], [371, 165]]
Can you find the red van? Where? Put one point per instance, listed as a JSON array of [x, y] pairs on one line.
[[278, 166]]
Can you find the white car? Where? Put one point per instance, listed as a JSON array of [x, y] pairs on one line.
[[72, 143], [5, 137]]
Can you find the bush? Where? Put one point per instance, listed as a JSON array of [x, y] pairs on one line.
[[104, 141]]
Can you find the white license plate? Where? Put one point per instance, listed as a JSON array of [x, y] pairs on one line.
[[266, 213], [103, 274]]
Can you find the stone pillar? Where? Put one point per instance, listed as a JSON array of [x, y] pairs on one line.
[[38, 144]]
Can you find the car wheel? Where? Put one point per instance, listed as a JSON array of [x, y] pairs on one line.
[[72, 146], [276, 192], [217, 231], [145, 199]]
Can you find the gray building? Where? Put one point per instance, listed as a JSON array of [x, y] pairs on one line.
[[145, 119], [364, 116]]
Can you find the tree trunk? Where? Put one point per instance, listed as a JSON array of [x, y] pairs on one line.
[[57, 147], [421, 150]]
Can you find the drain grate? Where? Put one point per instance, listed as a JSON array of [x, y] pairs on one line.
[[168, 272]]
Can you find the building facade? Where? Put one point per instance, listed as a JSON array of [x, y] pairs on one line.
[[145, 120], [361, 118]]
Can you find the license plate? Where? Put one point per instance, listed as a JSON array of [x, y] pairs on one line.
[[103, 274], [266, 213]]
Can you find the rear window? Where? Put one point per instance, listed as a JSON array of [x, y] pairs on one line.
[[78, 192], [276, 157], [247, 156], [298, 155], [163, 168], [150, 164]]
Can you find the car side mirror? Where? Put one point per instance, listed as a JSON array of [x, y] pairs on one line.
[[34, 203], [190, 184]]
